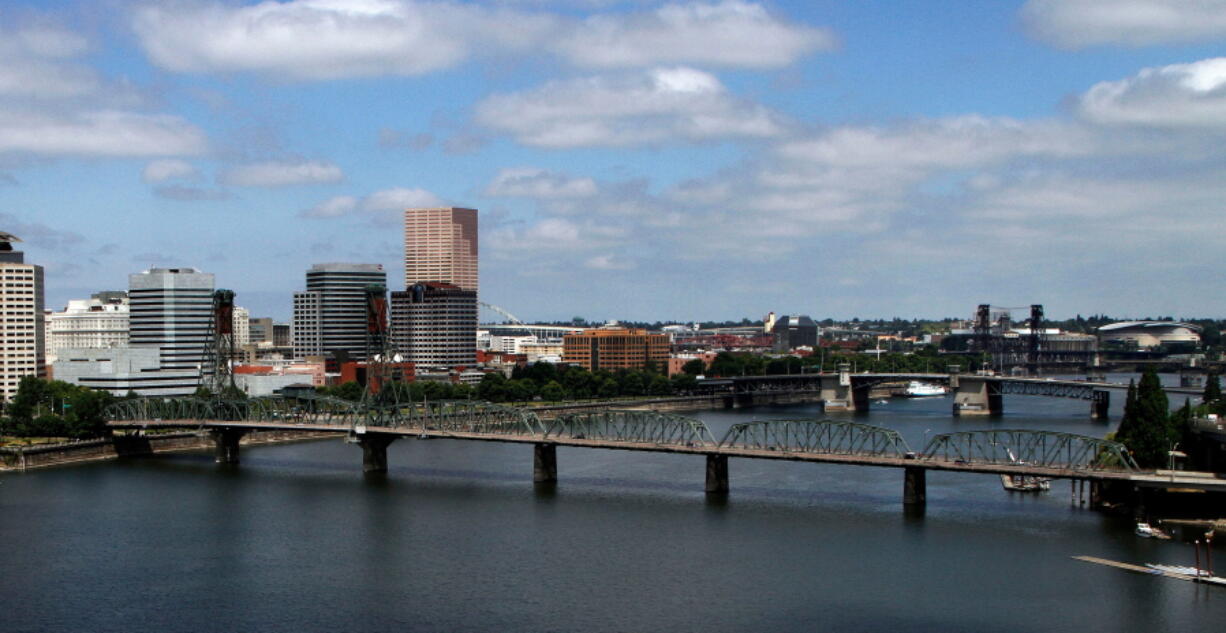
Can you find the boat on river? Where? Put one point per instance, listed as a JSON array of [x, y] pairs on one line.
[[1025, 483], [918, 389]]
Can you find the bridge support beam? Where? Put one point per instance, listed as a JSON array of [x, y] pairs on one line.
[[914, 488], [226, 442], [717, 474], [545, 463], [374, 451]]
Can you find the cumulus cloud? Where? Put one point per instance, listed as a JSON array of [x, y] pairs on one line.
[[282, 174], [105, 133], [728, 34], [324, 39], [169, 169], [1177, 96], [1082, 23], [35, 62], [381, 206], [532, 182], [41, 235], [662, 104]]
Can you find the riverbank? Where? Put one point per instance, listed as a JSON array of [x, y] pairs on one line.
[[22, 458]]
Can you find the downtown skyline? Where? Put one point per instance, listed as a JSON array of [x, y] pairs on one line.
[[636, 160]]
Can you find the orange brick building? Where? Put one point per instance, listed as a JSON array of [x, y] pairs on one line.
[[615, 348]]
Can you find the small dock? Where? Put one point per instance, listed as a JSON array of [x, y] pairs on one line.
[[1153, 571]]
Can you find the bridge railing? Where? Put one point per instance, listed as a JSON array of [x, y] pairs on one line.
[[816, 436], [1033, 448], [648, 427]]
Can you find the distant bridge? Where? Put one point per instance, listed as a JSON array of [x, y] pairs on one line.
[[973, 394], [1013, 452]]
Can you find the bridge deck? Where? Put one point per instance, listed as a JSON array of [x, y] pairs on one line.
[[705, 449]]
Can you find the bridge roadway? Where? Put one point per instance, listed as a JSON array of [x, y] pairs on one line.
[[831, 442]]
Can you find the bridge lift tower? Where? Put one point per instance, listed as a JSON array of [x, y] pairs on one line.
[[217, 374]]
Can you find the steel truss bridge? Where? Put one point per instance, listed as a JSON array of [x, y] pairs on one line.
[[1008, 452]]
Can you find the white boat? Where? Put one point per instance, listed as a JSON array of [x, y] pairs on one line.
[[917, 389], [1145, 530]]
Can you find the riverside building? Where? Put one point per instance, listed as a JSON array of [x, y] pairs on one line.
[[22, 331], [614, 347], [330, 316], [434, 325]]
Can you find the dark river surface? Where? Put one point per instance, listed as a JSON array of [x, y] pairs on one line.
[[457, 538]]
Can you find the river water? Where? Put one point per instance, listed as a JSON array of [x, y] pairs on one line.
[[457, 538]]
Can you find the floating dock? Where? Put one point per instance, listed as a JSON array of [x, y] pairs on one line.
[[1165, 571]]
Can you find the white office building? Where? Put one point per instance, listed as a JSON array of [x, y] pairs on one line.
[[22, 332]]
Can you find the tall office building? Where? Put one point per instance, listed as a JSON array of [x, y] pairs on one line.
[[441, 245], [170, 308], [435, 324], [22, 343], [330, 316]]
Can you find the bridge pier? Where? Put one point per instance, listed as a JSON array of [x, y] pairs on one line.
[[717, 474], [545, 463], [374, 451], [976, 396], [915, 488], [226, 443], [1099, 405]]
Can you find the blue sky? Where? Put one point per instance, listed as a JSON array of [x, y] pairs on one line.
[[634, 160]]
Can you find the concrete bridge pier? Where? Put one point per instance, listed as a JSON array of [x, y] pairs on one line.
[[837, 391], [914, 488], [545, 463], [1100, 405], [226, 442], [974, 395], [374, 451], [717, 474]]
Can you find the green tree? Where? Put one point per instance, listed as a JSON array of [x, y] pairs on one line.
[[348, 391], [1146, 428], [694, 367], [608, 388], [553, 391], [1213, 389], [660, 386]]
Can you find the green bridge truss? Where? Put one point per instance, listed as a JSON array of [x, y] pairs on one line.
[[1034, 448], [816, 436], [648, 427]]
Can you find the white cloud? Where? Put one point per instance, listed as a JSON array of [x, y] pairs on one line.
[[608, 262], [532, 182], [1081, 23], [330, 39], [659, 105], [399, 199], [1177, 96], [169, 169], [282, 174], [731, 33], [382, 206], [106, 133]]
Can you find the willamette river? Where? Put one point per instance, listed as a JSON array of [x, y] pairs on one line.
[[456, 538]]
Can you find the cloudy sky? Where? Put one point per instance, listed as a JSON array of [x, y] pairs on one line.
[[635, 159]]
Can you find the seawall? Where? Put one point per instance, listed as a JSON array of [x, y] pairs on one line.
[[21, 458]]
